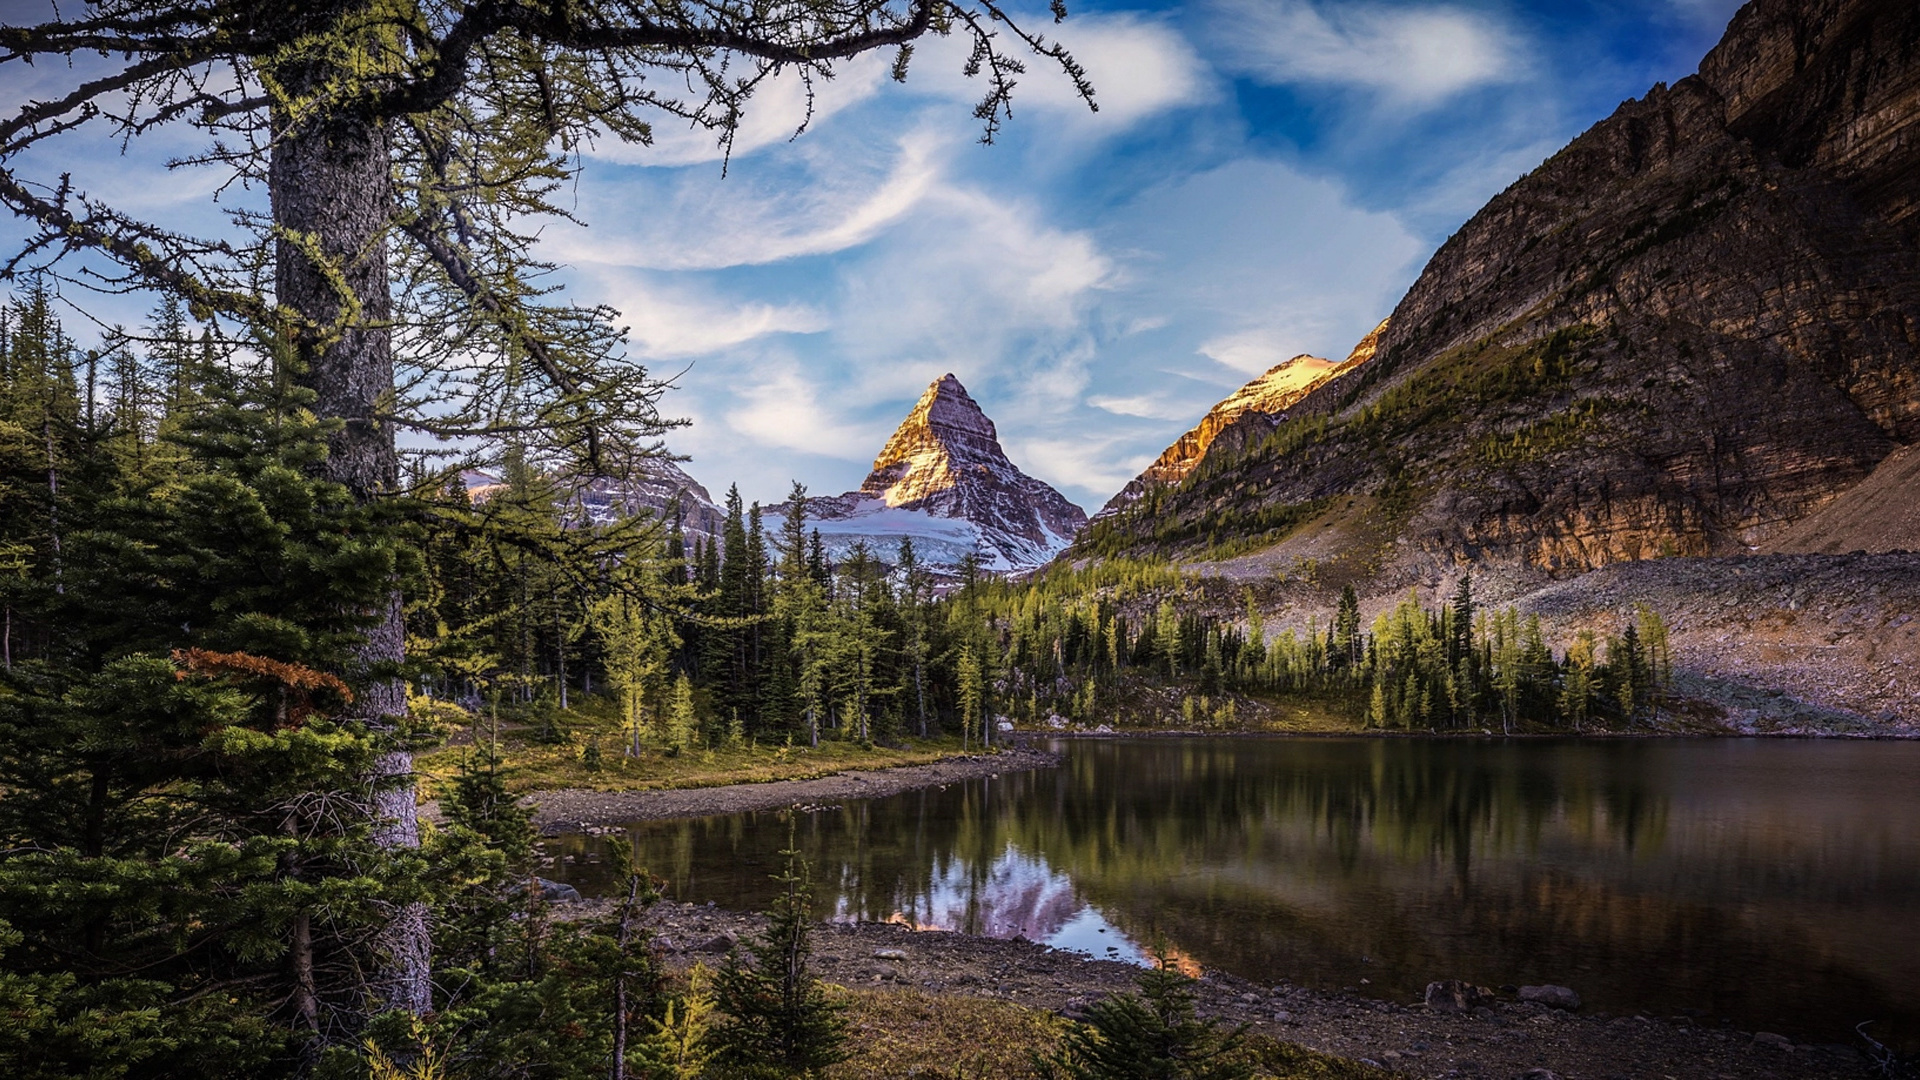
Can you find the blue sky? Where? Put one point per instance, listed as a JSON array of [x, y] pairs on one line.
[[1264, 178]]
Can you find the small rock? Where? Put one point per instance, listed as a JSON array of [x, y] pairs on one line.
[[889, 954], [1283, 1016], [1249, 997], [1455, 995], [1558, 997], [1539, 1074], [1768, 1038]]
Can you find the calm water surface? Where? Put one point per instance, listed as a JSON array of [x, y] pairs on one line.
[[1774, 884]]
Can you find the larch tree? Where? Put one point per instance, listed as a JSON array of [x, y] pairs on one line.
[[407, 150]]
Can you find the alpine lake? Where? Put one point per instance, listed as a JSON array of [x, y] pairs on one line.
[[1760, 884]]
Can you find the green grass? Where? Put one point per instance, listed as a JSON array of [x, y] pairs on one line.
[[531, 763], [908, 1033]]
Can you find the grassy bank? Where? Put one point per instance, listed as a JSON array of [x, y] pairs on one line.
[[587, 747], [898, 1033]]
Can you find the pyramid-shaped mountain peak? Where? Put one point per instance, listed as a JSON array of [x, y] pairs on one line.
[[944, 479], [946, 425]]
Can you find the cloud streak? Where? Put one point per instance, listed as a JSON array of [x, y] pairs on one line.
[[684, 220], [1414, 57]]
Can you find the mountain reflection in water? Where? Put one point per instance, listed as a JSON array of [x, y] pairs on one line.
[[1773, 884]]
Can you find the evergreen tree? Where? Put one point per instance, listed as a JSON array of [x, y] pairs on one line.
[[173, 760], [780, 1021], [399, 170], [1151, 1035], [1346, 648], [913, 616], [972, 695]]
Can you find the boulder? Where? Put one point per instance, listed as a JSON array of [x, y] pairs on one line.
[[557, 892], [1456, 995], [719, 943], [1558, 997]]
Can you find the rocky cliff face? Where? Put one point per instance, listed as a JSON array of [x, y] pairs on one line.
[[1690, 329], [943, 480]]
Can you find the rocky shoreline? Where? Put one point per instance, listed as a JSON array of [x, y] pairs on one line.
[[1497, 1038], [576, 810], [1503, 1038]]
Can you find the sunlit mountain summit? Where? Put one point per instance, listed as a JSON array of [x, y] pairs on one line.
[[944, 481]]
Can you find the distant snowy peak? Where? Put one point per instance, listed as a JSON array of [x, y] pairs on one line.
[[943, 480], [658, 488]]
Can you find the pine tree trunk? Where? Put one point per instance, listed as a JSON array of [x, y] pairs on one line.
[[332, 191], [53, 504], [560, 638], [620, 980], [306, 999], [920, 684]]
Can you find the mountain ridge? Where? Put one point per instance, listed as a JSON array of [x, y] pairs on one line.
[[1281, 387], [1692, 327]]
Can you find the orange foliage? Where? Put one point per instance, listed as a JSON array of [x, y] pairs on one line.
[[299, 680]]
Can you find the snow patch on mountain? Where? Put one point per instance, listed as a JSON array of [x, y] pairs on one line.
[[658, 488], [944, 481]]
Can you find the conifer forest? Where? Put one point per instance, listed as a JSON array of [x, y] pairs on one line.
[[1395, 555], [191, 862]]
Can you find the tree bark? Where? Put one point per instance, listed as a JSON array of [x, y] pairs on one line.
[[306, 1000], [332, 194], [620, 981]]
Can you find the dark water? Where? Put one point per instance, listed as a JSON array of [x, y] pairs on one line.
[[1773, 884]]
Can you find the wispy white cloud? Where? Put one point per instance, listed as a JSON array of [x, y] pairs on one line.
[[783, 410], [1252, 351], [968, 283], [1264, 262], [1140, 66], [773, 115], [1089, 467], [686, 220], [1414, 56], [1145, 406], [670, 320]]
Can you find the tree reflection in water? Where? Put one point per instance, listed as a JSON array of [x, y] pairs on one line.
[[1775, 884]]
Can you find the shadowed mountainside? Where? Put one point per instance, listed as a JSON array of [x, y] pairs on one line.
[[1692, 328]]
